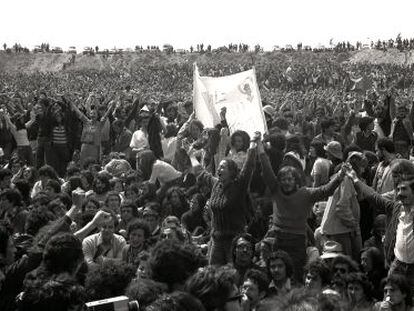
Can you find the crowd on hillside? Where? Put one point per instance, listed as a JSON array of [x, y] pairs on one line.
[[110, 186], [402, 44]]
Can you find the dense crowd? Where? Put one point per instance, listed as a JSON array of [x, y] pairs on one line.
[[109, 186]]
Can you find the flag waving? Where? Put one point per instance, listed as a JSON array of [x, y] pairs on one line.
[[239, 93]]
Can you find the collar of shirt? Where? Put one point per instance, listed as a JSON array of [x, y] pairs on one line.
[[404, 216], [287, 286]]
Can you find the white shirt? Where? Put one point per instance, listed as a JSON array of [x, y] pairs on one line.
[[404, 244], [169, 146], [163, 172], [139, 140]]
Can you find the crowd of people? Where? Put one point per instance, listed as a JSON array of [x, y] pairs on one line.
[[110, 186]]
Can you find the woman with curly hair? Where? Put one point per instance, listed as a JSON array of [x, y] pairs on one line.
[[228, 202], [359, 292]]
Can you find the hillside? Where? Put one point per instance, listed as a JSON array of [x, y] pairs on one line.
[[48, 62]]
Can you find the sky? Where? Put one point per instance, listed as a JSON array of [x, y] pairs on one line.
[[182, 23]]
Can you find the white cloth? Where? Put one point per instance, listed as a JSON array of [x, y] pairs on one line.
[[139, 140], [169, 146], [404, 243], [163, 172]]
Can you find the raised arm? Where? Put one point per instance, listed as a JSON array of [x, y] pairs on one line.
[[248, 165], [269, 176], [184, 128], [79, 113], [379, 202], [323, 192]]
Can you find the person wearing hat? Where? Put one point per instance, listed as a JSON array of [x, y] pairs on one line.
[[331, 249], [334, 154], [366, 138], [147, 137]]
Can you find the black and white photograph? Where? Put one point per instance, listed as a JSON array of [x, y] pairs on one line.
[[177, 155]]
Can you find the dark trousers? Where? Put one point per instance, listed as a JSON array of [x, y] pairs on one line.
[[59, 158], [295, 246], [43, 152], [220, 253], [25, 154]]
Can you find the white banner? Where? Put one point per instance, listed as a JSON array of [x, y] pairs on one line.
[[239, 93]]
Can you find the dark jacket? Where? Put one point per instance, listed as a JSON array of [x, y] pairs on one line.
[[392, 209]]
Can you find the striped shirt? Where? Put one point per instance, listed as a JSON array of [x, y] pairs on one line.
[[59, 135]]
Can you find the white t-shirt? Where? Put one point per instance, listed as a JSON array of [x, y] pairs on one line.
[[163, 172], [139, 140]]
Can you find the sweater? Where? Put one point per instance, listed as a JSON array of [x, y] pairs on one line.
[[293, 209], [229, 203]]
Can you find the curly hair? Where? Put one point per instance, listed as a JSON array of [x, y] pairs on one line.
[[105, 180], [258, 277], [139, 224], [342, 259], [145, 291], [244, 136], [401, 282], [63, 253], [13, 196], [87, 201], [108, 280], [361, 279], [57, 292], [321, 269], [290, 170], [285, 257], [212, 285], [36, 219], [48, 171], [173, 262]]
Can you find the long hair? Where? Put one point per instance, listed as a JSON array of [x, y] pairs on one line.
[[244, 136], [290, 170]]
